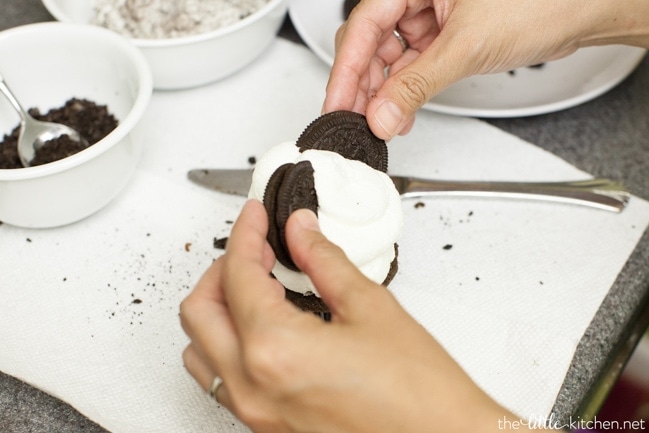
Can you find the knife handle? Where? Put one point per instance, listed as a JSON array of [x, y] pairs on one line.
[[599, 193]]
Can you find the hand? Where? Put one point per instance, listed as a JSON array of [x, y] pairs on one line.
[[371, 369], [453, 39]]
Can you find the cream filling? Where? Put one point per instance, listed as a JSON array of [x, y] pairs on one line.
[[359, 209]]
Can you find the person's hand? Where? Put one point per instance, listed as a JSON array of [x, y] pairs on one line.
[[453, 39], [371, 369]]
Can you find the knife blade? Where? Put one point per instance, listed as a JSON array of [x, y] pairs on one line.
[[228, 181], [598, 193]]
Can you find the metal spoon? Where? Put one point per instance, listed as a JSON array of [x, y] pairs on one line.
[[34, 133]]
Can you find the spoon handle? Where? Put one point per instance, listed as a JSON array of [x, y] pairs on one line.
[[12, 99], [599, 193]]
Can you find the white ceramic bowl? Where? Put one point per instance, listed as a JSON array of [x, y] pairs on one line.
[[45, 65], [191, 61]]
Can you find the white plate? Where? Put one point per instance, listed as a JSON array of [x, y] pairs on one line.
[[556, 85]]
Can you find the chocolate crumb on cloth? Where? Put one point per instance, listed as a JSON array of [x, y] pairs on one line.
[[292, 186], [220, 243]]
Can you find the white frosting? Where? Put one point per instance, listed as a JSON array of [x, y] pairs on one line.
[[359, 209]]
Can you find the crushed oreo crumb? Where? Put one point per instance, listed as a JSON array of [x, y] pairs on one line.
[[92, 121], [536, 66], [220, 243]]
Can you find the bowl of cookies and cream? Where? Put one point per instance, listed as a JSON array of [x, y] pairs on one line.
[[187, 43]]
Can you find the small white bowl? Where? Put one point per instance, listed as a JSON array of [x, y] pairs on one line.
[[45, 65], [191, 61]]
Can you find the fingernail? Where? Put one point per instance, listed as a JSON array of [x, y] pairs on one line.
[[388, 115], [306, 219]]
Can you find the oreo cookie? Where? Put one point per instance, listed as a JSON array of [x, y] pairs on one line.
[[316, 305], [289, 188], [394, 267], [348, 134], [348, 5], [310, 303]]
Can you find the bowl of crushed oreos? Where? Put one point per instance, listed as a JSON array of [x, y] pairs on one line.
[[85, 77], [188, 43]]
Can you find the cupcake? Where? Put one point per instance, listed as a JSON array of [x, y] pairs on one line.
[[337, 169]]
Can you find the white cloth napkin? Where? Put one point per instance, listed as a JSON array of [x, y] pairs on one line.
[[89, 311]]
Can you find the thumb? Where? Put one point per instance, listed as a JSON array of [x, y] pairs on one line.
[[414, 79], [338, 280]]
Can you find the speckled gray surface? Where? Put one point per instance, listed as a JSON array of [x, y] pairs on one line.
[[607, 137]]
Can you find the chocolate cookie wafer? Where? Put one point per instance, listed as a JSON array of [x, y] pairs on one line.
[[290, 187], [348, 5], [348, 134], [315, 304]]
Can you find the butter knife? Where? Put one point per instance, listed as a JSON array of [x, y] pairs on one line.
[[598, 193]]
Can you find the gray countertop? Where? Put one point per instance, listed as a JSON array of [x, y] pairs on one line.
[[606, 137]]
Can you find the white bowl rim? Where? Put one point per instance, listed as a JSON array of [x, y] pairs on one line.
[[53, 8], [127, 124]]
